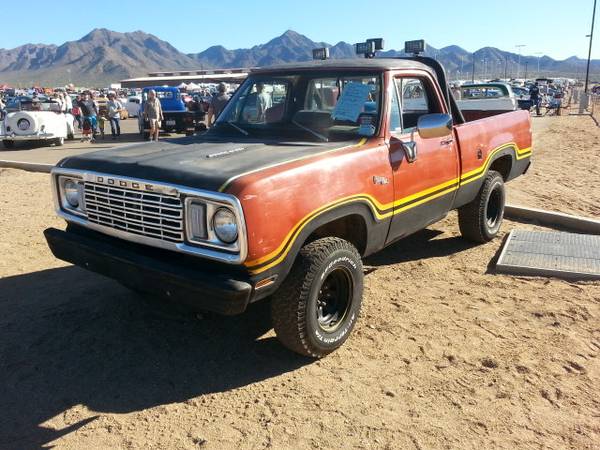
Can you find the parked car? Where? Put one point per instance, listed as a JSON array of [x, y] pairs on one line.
[[479, 100], [132, 105], [523, 99], [177, 118], [30, 120], [280, 202]]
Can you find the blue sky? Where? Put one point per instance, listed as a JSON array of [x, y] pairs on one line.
[[554, 27]]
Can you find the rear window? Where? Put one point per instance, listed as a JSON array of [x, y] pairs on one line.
[[164, 95], [474, 92]]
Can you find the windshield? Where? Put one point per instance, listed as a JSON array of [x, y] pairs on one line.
[[32, 106], [320, 106]]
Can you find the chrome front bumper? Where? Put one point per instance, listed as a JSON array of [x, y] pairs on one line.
[[27, 137]]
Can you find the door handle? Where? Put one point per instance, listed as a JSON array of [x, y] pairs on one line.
[[447, 141]]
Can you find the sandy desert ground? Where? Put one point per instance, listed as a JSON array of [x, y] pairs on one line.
[[446, 354]]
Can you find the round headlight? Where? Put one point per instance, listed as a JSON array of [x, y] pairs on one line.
[[225, 225], [71, 193]]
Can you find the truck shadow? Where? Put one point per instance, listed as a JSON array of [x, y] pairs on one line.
[[420, 245], [71, 337]]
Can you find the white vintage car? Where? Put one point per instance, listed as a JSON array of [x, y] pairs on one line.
[[28, 121], [132, 105]]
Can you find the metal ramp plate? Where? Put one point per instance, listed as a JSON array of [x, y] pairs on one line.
[[545, 253]]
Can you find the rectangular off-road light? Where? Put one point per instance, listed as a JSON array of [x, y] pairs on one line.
[[321, 53], [365, 48], [414, 47]]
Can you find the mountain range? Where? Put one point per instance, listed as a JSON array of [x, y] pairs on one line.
[[104, 56]]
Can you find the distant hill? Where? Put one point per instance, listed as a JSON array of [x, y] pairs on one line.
[[103, 56], [98, 58]]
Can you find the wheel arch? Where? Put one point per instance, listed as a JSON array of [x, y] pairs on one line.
[[503, 164], [355, 222], [351, 227]]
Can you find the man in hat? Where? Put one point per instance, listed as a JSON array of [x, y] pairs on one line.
[[217, 104], [153, 113]]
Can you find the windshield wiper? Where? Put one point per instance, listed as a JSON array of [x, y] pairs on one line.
[[313, 132], [241, 130]]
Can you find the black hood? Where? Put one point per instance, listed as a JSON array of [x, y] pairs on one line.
[[200, 162]]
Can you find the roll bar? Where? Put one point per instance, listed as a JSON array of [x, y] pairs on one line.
[[440, 73]]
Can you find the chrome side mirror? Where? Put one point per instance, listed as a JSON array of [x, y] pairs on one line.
[[434, 125]]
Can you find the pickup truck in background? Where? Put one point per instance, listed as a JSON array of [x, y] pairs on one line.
[[310, 167], [177, 118]]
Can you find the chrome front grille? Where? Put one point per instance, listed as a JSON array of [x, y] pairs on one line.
[[144, 213]]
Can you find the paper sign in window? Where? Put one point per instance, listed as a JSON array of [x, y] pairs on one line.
[[351, 102]]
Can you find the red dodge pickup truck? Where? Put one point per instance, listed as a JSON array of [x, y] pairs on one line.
[[309, 168]]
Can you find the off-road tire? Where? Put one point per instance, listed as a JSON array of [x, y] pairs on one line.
[[480, 220], [294, 309], [58, 142], [8, 144], [70, 136]]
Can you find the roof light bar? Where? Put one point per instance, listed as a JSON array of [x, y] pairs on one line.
[[369, 47]]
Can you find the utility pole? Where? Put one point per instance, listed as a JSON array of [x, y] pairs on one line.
[[506, 67], [538, 57], [591, 36], [520, 46], [473, 72], [526, 63]]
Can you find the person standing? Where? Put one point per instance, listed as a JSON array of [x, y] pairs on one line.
[[534, 95], [217, 104], [263, 102], [89, 110], [114, 115], [68, 101], [153, 113], [76, 111]]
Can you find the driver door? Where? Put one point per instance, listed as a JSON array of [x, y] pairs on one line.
[[424, 189]]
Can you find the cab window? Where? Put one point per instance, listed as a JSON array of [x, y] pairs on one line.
[[415, 101]]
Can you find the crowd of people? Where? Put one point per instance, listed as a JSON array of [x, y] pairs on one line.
[[91, 119], [89, 116]]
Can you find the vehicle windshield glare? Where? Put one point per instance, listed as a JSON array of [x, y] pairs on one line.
[[331, 107]]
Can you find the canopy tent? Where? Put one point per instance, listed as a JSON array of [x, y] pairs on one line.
[[182, 86], [193, 86]]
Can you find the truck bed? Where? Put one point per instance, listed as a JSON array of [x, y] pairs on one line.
[[483, 141]]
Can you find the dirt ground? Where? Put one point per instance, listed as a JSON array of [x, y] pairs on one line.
[[446, 354], [565, 175]]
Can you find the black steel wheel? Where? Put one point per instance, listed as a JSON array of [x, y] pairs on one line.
[[334, 299]]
